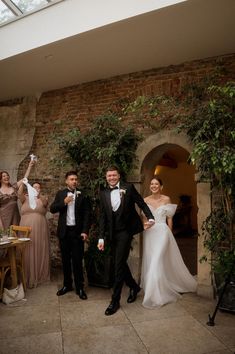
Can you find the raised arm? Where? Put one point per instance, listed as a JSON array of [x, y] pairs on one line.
[[21, 194], [26, 175]]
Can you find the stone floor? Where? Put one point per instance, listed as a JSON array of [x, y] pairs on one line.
[[45, 323]]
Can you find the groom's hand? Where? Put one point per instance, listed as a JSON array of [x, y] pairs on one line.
[[149, 224], [68, 199]]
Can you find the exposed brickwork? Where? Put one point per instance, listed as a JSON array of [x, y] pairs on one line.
[[75, 106]]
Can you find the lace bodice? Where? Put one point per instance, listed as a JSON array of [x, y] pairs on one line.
[[162, 212]]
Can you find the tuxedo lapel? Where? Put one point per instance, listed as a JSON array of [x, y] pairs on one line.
[[78, 199], [108, 201], [123, 195]]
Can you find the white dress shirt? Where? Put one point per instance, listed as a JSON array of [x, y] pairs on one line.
[[115, 198], [70, 219]]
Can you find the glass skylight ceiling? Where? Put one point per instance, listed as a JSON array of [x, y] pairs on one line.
[[11, 10]]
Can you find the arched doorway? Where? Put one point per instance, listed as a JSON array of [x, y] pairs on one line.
[[170, 163], [177, 147]]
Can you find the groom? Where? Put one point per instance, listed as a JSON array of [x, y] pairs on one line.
[[73, 226], [119, 218]]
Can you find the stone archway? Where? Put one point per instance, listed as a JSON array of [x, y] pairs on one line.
[[149, 153]]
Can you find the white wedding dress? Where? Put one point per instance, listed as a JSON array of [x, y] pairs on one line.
[[164, 274]]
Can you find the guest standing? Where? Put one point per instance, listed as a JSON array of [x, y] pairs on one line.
[[121, 221], [37, 259], [164, 274], [74, 211], [9, 212]]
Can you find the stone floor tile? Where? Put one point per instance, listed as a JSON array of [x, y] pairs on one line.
[[27, 320], [36, 344], [136, 312], [89, 314], [176, 335], [103, 340], [43, 294], [224, 328], [95, 293], [196, 304]]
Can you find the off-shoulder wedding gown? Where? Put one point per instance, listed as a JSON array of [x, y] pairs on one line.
[[164, 274]]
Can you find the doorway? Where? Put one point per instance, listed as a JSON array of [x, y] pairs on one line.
[[170, 163]]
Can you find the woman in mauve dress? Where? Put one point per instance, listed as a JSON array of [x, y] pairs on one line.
[[9, 212], [37, 259]]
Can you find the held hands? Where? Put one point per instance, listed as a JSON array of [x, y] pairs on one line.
[[100, 244], [149, 224]]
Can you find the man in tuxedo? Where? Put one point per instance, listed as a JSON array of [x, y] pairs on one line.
[[73, 227], [120, 220]]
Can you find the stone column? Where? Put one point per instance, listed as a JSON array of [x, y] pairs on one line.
[[205, 287]]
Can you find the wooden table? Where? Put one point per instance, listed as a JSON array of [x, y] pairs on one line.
[[12, 250]]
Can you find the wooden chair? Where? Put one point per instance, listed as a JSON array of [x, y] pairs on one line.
[[21, 231], [5, 266]]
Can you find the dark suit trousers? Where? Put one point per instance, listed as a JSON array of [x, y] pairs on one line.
[[72, 252], [121, 246]]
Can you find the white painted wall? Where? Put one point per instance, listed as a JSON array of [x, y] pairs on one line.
[[69, 18]]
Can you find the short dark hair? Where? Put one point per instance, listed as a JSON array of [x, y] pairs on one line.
[[71, 173], [112, 168]]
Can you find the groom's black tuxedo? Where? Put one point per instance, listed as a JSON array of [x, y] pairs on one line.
[[129, 217], [71, 242], [119, 227]]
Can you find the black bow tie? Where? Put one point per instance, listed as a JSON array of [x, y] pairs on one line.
[[112, 188], [71, 190]]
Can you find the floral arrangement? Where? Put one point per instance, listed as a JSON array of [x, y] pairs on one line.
[[122, 192]]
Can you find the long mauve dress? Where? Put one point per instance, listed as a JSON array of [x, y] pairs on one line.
[[9, 212], [37, 260]]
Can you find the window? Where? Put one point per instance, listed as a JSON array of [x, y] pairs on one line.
[[14, 9]]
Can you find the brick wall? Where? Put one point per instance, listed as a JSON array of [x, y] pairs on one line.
[[70, 107]]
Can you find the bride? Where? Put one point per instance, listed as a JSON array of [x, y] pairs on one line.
[[164, 274]]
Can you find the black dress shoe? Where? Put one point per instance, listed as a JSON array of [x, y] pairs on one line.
[[64, 290], [112, 308], [81, 293], [133, 294]]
